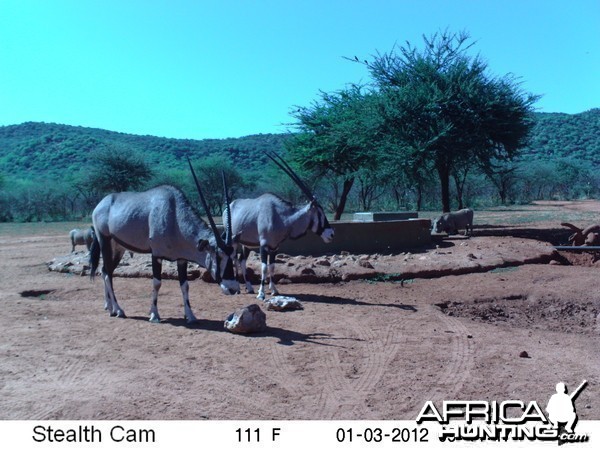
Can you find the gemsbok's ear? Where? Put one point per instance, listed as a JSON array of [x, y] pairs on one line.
[[202, 244]]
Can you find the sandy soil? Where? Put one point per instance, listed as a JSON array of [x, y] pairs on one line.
[[499, 316]]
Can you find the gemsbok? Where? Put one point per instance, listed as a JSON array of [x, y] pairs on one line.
[[161, 222], [265, 222]]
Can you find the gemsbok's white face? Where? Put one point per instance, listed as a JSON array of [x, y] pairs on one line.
[[327, 235]]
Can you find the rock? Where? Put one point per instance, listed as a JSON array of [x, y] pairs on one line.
[[365, 263], [250, 319], [283, 303], [524, 354]]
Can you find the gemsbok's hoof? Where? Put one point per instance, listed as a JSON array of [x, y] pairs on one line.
[[261, 296], [154, 318], [190, 320]]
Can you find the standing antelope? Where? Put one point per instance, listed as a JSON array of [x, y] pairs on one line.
[[82, 237], [159, 221], [265, 222]]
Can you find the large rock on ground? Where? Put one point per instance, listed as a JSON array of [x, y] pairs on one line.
[[250, 319]]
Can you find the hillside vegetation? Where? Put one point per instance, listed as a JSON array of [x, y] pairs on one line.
[[571, 136], [40, 162], [33, 149]]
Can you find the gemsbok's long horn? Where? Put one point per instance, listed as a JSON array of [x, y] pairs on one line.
[[283, 165], [228, 227], [218, 237]]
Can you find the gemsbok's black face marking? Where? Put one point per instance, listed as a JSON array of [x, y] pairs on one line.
[[223, 271], [323, 228]]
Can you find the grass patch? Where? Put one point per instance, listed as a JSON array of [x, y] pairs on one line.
[[505, 269]]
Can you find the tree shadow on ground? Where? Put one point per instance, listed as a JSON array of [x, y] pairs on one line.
[[334, 300], [554, 236]]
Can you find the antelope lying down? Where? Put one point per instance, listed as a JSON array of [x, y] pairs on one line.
[[159, 221], [265, 222]]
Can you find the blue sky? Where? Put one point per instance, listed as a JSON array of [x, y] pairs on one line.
[[216, 69]]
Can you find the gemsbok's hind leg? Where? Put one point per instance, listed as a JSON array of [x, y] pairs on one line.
[[156, 284], [111, 257], [110, 300], [185, 289]]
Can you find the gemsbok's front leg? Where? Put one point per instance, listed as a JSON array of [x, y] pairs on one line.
[[264, 253], [272, 287], [267, 269], [242, 262], [185, 289]]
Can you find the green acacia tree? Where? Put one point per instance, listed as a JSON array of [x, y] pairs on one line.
[[337, 138], [209, 172], [118, 170], [445, 111]]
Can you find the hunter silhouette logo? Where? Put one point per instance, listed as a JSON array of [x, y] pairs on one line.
[[508, 420], [561, 407]]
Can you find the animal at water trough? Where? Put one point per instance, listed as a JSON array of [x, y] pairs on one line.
[[265, 222], [587, 237], [81, 237], [453, 221], [161, 222]]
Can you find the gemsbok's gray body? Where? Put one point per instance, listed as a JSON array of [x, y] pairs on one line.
[[82, 237], [161, 222], [265, 222]]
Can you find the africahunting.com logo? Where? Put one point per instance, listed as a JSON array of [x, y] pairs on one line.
[[510, 420]]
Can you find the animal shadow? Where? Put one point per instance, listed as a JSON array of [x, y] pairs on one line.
[[286, 337]]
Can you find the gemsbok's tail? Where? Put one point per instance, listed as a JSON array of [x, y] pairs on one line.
[[94, 256]]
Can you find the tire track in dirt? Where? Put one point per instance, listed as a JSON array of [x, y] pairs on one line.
[[348, 392], [75, 375], [46, 413], [457, 370]]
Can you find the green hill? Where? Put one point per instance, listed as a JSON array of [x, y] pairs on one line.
[[33, 149], [573, 136], [44, 167]]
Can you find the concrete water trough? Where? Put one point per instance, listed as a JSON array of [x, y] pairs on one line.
[[384, 233]]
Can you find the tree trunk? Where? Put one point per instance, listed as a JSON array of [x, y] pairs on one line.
[[348, 182], [444, 174], [459, 182], [419, 196]]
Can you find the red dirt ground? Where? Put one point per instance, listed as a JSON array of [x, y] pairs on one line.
[[496, 317]]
